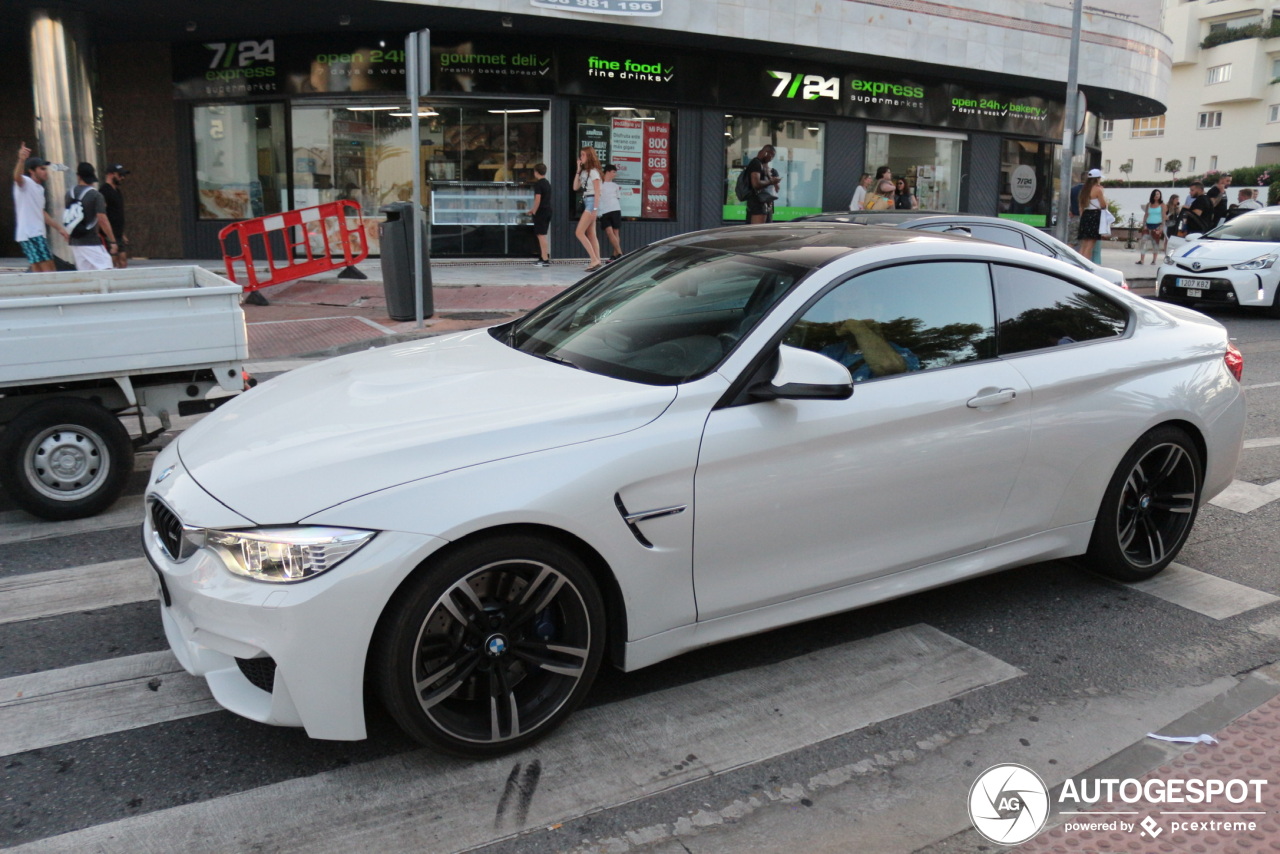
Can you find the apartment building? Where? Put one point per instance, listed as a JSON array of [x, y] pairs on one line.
[[1223, 100]]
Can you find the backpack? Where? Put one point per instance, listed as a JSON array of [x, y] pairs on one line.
[[743, 188], [73, 218]]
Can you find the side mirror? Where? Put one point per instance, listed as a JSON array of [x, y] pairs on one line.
[[804, 375]]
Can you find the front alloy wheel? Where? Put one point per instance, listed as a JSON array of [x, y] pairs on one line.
[[1149, 507], [492, 648]]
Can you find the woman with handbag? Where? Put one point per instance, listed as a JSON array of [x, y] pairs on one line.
[[1092, 203], [1152, 226]]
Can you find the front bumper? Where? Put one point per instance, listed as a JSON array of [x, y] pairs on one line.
[[1224, 287], [282, 654]]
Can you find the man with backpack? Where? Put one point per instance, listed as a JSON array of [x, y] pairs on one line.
[[758, 186], [85, 217]]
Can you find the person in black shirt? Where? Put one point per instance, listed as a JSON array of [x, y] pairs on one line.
[[764, 186], [541, 213], [1218, 201], [110, 189], [1197, 213]]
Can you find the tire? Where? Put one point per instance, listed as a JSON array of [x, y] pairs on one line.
[[490, 649], [65, 458], [1149, 507]]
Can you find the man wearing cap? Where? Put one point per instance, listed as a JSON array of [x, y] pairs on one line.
[[87, 244], [110, 190], [29, 175]]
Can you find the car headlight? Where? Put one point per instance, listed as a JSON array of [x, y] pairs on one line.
[[1168, 259], [1262, 262], [282, 555]]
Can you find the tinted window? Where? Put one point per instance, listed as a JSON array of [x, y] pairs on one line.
[[1038, 310], [996, 234], [665, 315], [911, 317], [1036, 246]]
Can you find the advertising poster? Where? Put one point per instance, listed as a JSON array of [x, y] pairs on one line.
[[628, 156], [596, 136], [657, 171]]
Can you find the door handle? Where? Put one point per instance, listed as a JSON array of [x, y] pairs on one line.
[[995, 398]]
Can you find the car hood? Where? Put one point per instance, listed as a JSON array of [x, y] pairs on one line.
[[342, 428], [1222, 251]]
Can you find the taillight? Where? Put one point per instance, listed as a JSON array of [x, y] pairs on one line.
[[1235, 361]]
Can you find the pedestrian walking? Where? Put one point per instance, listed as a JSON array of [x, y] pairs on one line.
[[29, 176], [1093, 202], [88, 231], [611, 211], [587, 180], [110, 189]]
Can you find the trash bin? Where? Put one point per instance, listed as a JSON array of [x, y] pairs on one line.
[[397, 263]]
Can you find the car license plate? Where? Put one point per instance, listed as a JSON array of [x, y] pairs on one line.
[[1192, 292], [1188, 283]]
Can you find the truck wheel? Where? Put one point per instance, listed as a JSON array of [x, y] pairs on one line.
[[65, 458]]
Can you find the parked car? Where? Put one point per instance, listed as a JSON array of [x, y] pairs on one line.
[[1007, 232], [722, 433], [1232, 264]]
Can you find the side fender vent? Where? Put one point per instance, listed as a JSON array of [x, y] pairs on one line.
[[633, 519]]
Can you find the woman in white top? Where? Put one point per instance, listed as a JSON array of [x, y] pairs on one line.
[[588, 181], [1092, 203]]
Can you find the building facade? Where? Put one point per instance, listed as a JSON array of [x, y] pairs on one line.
[[1224, 95], [225, 114]]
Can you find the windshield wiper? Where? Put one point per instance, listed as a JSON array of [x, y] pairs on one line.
[[559, 360]]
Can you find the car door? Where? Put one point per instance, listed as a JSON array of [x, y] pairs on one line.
[[1068, 342], [798, 496]]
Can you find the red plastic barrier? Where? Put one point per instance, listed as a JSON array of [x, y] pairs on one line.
[[324, 225]]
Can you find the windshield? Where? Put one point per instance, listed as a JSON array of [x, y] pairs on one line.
[[665, 315], [1247, 228]]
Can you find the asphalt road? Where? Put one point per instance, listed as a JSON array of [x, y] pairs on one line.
[[808, 738]]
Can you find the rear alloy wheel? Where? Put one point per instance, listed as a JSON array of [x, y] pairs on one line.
[[1149, 507], [489, 650]]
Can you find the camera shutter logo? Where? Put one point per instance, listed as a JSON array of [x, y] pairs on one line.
[[1008, 804]]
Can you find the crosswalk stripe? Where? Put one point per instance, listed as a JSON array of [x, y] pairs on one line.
[[603, 757], [65, 591], [88, 700], [1245, 497], [18, 526], [1203, 593]]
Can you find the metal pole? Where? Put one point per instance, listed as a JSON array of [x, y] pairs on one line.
[[1072, 121], [415, 148]]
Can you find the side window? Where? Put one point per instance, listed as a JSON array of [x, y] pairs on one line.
[[996, 234], [1039, 248], [896, 320], [1037, 310]]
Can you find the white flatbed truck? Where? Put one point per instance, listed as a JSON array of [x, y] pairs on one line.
[[81, 351]]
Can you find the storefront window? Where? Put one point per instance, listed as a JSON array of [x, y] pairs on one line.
[[239, 153], [479, 160], [357, 153], [1027, 181], [930, 163], [640, 141], [798, 161]]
